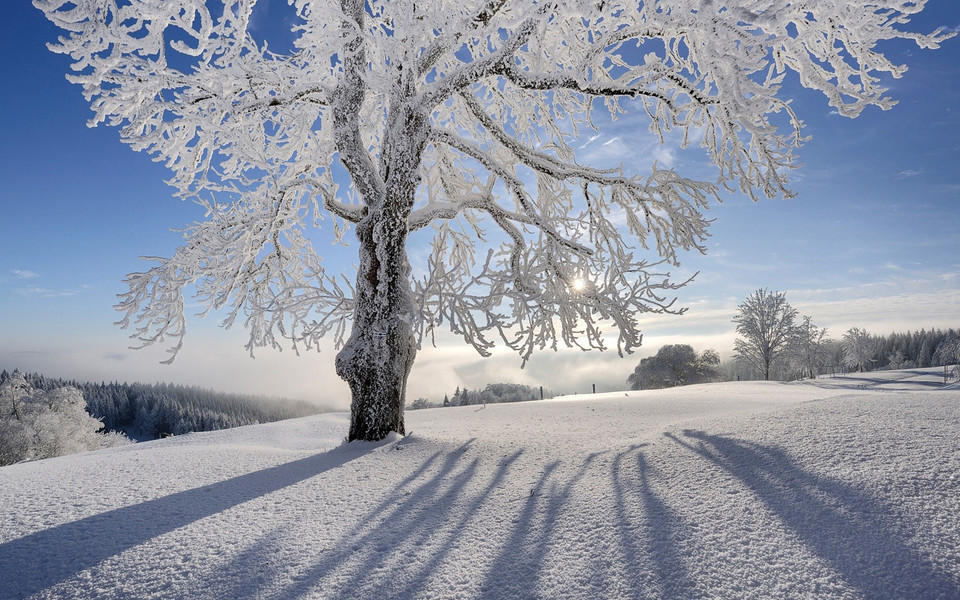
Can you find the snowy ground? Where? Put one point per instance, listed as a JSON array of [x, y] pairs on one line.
[[838, 488]]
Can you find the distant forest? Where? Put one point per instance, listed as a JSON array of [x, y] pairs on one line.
[[494, 393], [150, 411], [933, 348], [859, 350]]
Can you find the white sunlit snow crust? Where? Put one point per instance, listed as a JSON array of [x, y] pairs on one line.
[[737, 490]]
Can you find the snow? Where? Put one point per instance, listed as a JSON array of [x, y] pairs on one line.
[[823, 489]]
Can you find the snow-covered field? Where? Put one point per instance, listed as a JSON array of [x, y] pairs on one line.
[[840, 488]]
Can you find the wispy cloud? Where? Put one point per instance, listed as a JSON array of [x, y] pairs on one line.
[[39, 292], [592, 139], [34, 289], [907, 173]]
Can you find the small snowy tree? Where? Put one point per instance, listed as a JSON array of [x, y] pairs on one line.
[[947, 352], [765, 324], [420, 403], [859, 348], [37, 424], [459, 119], [809, 352]]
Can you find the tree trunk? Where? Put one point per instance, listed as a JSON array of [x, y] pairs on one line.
[[377, 358]]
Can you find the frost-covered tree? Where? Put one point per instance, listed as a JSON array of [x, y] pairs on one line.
[[765, 324], [420, 403], [673, 365], [37, 424], [948, 352], [859, 348], [810, 351], [457, 119]]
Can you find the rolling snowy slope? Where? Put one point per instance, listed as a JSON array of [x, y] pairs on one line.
[[830, 489]]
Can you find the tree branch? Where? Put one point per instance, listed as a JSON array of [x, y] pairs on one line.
[[476, 70], [348, 97], [550, 81], [515, 185], [348, 212], [483, 17]]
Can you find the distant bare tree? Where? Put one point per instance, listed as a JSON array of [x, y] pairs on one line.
[[765, 322]]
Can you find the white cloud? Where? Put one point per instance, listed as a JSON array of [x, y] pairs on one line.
[[36, 291], [902, 302], [665, 156]]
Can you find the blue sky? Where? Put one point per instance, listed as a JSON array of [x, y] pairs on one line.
[[871, 240]]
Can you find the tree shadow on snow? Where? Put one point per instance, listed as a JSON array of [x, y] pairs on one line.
[[515, 571], [43, 559], [408, 517], [856, 534], [880, 380], [642, 560], [650, 532], [397, 548], [254, 572]]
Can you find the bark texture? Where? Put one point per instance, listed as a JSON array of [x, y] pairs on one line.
[[377, 358]]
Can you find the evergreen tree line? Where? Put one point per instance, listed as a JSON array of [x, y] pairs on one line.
[[494, 393], [933, 348], [150, 411]]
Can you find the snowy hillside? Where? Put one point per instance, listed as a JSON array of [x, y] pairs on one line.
[[842, 488]]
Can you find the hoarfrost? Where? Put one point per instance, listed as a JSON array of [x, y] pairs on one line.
[[462, 116]]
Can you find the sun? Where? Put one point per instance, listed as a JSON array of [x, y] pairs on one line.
[[578, 285]]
